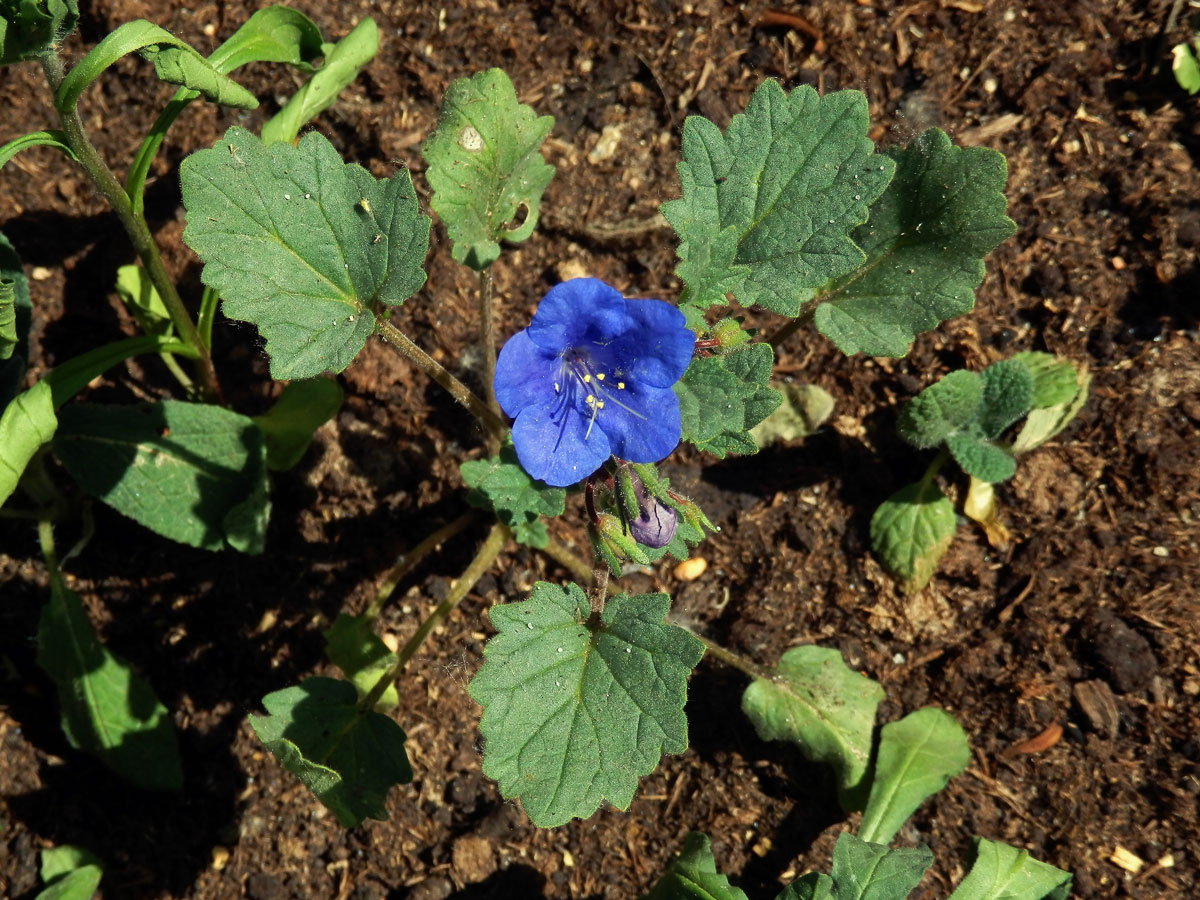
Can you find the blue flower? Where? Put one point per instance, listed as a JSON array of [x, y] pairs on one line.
[[591, 378]]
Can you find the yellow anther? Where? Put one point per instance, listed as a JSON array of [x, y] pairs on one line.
[[600, 405], [620, 385], [599, 376], [586, 378], [590, 400]]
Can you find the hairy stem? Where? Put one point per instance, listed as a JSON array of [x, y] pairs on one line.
[[135, 226], [753, 669], [784, 332], [487, 554], [410, 560], [491, 422], [487, 346]]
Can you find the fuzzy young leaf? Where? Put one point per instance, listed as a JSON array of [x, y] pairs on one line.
[[15, 358], [925, 243], [1007, 395], [107, 710], [917, 756], [865, 871], [352, 646], [191, 472], [28, 28], [693, 875], [767, 208], [1044, 423], [343, 61], [1001, 872], [485, 166], [301, 244], [722, 397], [980, 458], [348, 758], [187, 68], [27, 423], [1054, 379], [941, 409], [500, 484], [911, 531], [816, 702], [573, 717], [288, 426]]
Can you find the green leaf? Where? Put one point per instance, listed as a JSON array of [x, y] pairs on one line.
[[8, 318], [917, 756], [501, 485], [348, 758], [288, 426], [816, 702], [190, 472], [767, 209], [573, 717], [941, 409], [79, 884], [1007, 395], [813, 886], [1044, 423], [864, 871], [138, 293], [1001, 872], [484, 166], [28, 28], [59, 861], [12, 369], [174, 61], [1185, 68], [693, 875], [343, 61], [1054, 380], [352, 646], [107, 710], [27, 423], [925, 243], [981, 458], [302, 245], [805, 408], [55, 139], [722, 397], [911, 531]]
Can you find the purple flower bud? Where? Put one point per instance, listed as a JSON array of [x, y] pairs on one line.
[[655, 526]]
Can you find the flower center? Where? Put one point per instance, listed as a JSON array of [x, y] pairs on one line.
[[580, 376]]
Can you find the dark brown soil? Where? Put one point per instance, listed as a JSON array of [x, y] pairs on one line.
[[1098, 586]]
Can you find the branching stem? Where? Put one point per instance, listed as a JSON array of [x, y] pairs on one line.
[[487, 347], [135, 226], [412, 559], [785, 331]]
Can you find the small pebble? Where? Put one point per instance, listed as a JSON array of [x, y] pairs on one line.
[[220, 856], [691, 569]]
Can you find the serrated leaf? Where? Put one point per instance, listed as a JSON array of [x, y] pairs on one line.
[[925, 242], [816, 702], [348, 758], [341, 66], [767, 208], [911, 531], [288, 426], [27, 423], [574, 717], [107, 710], [693, 875], [980, 458], [191, 472], [813, 886], [1007, 395], [352, 646], [12, 368], [501, 485], [485, 166], [30, 27], [917, 756], [941, 409], [1054, 379], [805, 408], [1043, 424], [1001, 872], [302, 245], [865, 871], [722, 397]]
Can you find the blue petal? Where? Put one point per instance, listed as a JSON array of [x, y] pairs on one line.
[[525, 374], [644, 426], [656, 350], [579, 313], [555, 445]]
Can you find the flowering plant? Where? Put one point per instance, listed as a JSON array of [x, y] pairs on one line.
[[590, 378]]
